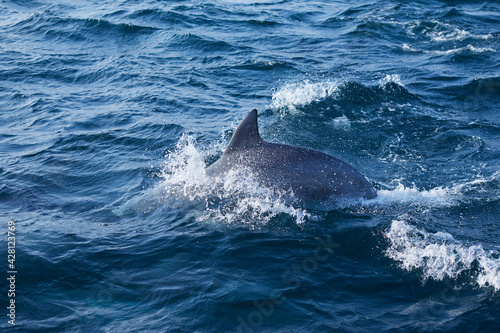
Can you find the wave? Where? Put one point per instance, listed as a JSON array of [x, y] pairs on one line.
[[435, 197], [460, 50], [436, 31], [429, 36], [444, 39], [49, 25], [295, 95], [480, 89], [191, 41], [478, 94], [439, 255], [264, 65], [376, 29], [175, 17], [464, 192], [367, 23], [167, 18]]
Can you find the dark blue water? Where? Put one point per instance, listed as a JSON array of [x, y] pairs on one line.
[[110, 111]]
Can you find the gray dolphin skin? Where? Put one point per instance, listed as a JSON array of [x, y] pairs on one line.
[[310, 174]]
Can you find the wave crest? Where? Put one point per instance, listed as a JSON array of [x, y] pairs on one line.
[[294, 96], [438, 255]]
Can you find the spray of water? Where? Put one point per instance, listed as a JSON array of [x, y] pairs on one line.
[[439, 256], [236, 198]]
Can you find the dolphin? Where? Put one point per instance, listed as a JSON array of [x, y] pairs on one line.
[[311, 175]]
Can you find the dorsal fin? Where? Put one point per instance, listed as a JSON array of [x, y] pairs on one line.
[[246, 135]]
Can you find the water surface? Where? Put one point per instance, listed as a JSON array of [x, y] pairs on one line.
[[110, 112]]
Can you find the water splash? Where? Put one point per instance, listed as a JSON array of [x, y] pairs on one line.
[[439, 256], [235, 199], [184, 171], [394, 78], [440, 196], [434, 197], [297, 94]]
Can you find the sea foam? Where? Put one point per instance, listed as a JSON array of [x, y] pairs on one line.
[[439, 255], [296, 94]]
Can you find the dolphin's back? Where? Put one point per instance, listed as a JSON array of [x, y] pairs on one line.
[[310, 174]]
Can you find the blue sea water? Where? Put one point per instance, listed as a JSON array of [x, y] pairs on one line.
[[110, 110]]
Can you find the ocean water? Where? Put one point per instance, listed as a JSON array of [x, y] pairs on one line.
[[110, 111]]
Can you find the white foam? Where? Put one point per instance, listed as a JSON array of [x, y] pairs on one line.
[[439, 256], [409, 48], [292, 95], [443, 32], [245, 201], [296, 94], [449, 33], [440, 196], [395, 78], [237, 198], [401, 194], [468, 48]]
